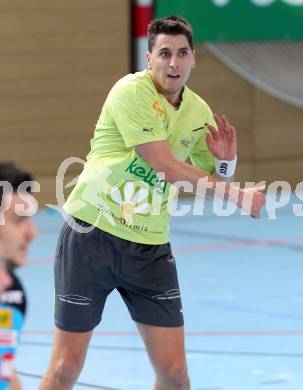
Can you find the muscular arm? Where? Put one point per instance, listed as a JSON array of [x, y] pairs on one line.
[[161, 158], [159, 155]]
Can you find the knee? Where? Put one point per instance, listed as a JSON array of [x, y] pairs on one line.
[[66, 372], [176, 376]]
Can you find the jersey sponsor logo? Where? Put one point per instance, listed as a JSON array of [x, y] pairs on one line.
[[148, 176], [8, 338], [7, 366], [123, 221], [137, 228], [156, 107], [130, 201], [6, 318], [12, 297]]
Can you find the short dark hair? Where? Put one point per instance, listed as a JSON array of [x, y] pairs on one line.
[[14, 175], [171, 25]]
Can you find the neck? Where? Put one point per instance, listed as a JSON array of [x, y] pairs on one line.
[[173, 98]]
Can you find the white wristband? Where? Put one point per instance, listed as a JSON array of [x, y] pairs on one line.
[[226, 168]]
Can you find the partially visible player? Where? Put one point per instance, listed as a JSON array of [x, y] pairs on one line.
[[16, 233], [5, 279]]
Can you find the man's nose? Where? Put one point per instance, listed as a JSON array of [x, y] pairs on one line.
[[174, 62]]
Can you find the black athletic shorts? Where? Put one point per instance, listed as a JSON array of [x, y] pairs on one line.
[[89, 266]]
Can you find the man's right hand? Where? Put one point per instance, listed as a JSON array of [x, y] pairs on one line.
[[251, 200]]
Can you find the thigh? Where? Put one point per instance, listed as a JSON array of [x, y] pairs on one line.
[[83, 278], [165, 346], [149, 285]]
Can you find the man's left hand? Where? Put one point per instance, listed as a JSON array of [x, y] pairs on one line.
[[222, 142]]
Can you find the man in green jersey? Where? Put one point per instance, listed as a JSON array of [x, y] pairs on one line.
[[117, 232]]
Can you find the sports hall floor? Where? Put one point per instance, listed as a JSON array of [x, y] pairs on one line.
[[241, 281]]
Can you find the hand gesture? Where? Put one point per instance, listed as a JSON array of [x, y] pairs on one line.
[[251, 200], [222, 142]]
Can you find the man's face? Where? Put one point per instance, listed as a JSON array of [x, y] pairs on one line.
[[171, 61], [17, 232]]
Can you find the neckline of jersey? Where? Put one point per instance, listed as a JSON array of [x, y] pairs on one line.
[[165, 101]]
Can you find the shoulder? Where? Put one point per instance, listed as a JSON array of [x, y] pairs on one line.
[[134, 86], [196, 101]]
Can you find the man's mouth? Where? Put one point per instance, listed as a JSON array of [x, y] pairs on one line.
[[173, 76]]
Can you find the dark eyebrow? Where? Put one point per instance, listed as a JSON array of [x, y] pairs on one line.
[[181, 49]]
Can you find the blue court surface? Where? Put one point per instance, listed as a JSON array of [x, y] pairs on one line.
[[241, 282]]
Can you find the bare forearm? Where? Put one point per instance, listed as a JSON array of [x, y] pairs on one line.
[[158, 154], [181, 171]]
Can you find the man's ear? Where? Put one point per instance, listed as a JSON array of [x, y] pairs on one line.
[[148, 56], [194, 63]]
